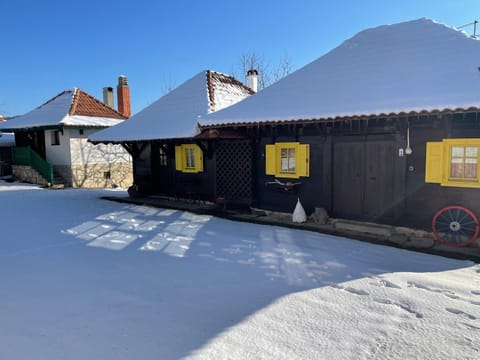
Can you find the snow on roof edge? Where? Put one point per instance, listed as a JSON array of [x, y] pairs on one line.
[[249, 110]]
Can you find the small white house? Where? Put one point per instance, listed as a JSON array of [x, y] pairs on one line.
[[52, 142]]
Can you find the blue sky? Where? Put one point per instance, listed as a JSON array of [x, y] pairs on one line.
[[48, 46]]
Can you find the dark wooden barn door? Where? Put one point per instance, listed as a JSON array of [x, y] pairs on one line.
[[379, 178], [348, 178], [234, 172], [363, 178]]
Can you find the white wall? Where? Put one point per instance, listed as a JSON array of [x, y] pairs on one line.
[[58, 154], [82, 152]]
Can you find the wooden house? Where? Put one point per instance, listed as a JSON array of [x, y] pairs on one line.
[[168, 157], [52, 147], [384, 128]]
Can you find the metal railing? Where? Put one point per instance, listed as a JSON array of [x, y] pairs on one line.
[[25, 155]]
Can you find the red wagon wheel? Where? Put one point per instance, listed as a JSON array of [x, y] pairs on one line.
[[455, 226]]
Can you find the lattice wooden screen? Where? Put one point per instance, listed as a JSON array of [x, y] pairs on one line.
[[234, 171]]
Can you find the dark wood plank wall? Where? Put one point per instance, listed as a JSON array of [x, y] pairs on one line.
[[392, 191]]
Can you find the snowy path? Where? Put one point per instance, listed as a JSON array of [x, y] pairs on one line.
[[87, 278]]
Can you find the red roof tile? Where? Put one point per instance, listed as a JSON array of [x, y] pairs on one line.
[[87, 105]]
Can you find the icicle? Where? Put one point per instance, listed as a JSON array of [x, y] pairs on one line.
[[299, 215]]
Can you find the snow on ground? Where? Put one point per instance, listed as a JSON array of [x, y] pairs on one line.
[[85, 278]]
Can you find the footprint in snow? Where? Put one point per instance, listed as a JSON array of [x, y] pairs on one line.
[[333, 285], [451, 296], [460, 312], [389, 284], [356, 291], [349, 289], [470, 326], [445, 292], [383, 301], [401, 306]]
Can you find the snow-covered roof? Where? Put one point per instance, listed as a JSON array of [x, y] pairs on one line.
[[7, 139], [176, 114], [412, 66], [72, 107]]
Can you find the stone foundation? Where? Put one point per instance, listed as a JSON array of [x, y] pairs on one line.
[[65, 172], [102, 175], [27, 174]]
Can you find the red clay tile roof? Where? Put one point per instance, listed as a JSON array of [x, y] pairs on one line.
[[87, 105]]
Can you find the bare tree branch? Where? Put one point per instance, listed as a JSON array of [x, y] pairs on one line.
[[266, 77], [283, 69]]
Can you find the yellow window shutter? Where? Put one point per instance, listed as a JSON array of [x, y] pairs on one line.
[[198, 159], [434, 162], [303, 160], [178, 158], [270, 160]]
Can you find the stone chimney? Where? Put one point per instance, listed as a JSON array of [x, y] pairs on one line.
[[252, 79], [123, 96], [108, 96]]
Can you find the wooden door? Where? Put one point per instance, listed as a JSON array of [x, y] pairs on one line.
[[379, 179], [348, 167], [363, 178]]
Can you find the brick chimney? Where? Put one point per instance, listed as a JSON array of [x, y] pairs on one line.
[[123, 96]]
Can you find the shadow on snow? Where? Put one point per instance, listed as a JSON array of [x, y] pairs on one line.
[[141, 282]]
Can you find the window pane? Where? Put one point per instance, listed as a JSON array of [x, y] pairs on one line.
[[284, 159], [457, 170], [472, 151], [55, 137], [470, 171], [190, 158], [291, 164], [457, 151], [287, 160], [291, 160], [162, 157]]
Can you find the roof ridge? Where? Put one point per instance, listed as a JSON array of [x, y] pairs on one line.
[[74, 103], [210, 92], [55, 97]]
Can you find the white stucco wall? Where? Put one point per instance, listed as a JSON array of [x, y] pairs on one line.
[[58, 154], [82, 152], [74, 149]]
